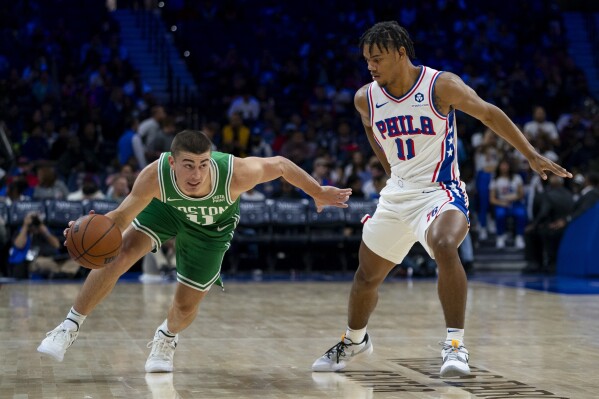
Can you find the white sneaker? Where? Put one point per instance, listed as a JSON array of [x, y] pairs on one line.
[[455, 359], [57, 342], [500, 243], [519, 242], [338, 356], [161, 356]]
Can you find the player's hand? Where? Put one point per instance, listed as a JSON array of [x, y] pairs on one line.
[[66, 231], [331, 196], [540, 164]]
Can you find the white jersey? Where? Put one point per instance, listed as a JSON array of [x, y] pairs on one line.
[[418, 140]]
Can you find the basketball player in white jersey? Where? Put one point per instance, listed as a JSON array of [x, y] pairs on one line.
[[408, 113]]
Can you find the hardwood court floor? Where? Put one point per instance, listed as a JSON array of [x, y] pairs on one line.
[[258, 340]]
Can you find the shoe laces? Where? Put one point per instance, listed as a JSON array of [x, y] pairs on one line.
[[162, 347], [62, 334], [452, 351], [339, 350]]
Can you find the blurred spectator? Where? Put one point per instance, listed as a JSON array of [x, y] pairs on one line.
[[259, 147], [162, 141], [589, 197], [235, 137], [285, 190], [321, 171], [542, 241], [247, 106], [49, 186], [88, 189], [298, 150], [506, 194], [356, 166], [539, 125], [372, 188], [486, 159], [36, 146], [36, 249], [16, 190], [150, 128], [126, 148], [355, 183], [60, 143], [118, 189]]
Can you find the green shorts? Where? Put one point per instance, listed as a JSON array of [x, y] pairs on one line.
[[199, 255]]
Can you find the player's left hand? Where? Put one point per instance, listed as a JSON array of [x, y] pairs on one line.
[[540, 164], [331, 196]]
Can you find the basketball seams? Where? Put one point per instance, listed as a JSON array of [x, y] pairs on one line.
[[83, 255], [86, 250]]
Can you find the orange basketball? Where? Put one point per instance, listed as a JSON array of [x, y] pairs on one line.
[[94, 241]]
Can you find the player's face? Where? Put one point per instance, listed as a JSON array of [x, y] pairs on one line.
[[381, 64], [192, 172]]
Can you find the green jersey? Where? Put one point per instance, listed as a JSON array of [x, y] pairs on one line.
[[216, 213]]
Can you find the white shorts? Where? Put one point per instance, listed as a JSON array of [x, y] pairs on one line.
[[404, 213]]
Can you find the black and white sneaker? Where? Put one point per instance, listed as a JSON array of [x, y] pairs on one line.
[[338, 356]]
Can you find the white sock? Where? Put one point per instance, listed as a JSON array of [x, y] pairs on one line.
[[164, 328], [455, 333], [356, 336], [74, 320]]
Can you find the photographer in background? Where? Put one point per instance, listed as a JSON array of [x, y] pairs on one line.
[[36, 249]]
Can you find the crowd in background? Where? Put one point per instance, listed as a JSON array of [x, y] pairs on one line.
[[277, 79]]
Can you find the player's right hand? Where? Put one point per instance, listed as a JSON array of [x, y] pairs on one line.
[[66, 231], [331, 196]]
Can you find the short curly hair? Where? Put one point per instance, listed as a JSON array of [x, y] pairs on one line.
[[388, 35]]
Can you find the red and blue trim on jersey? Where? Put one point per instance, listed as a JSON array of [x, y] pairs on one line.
[[431, 96], [456, 196], [445, 170]]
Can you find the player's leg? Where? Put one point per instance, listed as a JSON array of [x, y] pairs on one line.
[[184, 308], [444, 236], [385, 242], [98, 284], [364, 294], [197, 271]]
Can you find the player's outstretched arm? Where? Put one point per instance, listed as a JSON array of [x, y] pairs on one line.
[[251, 171], [452, 92]]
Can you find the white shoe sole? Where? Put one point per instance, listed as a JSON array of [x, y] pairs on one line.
[[155, 368], [454, 371], [50, 353]]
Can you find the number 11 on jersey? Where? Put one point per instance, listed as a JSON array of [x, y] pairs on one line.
[[401, 151]]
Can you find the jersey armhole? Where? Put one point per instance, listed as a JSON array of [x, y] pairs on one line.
[[229, 179], [161, 177], [431, 96], [369, 103]]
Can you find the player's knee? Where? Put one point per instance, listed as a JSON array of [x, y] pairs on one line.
[[186, 308], [444, 246], [365, 279]]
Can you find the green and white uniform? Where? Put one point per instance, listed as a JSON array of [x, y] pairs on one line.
[[203, 226]]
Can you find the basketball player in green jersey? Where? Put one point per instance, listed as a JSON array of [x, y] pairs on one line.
[[191, 193]]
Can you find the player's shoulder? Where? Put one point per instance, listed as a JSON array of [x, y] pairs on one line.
[[361, 97]]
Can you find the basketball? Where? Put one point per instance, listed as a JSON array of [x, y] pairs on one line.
[[94, 241]]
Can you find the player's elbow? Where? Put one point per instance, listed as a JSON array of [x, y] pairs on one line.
[[279, 164]]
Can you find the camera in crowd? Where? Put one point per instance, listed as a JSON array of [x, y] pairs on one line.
[[36, 221]]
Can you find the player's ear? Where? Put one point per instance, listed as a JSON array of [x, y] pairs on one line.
[[171, 161]]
